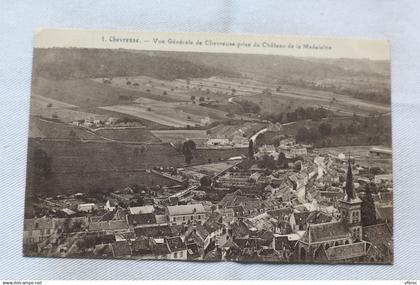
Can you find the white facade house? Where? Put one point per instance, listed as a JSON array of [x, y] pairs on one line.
[[88, 207], [185, 214], [110, 205], [216, 142], [149, 209]]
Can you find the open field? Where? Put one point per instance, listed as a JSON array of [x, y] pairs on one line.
[[141, 135], [85, 166], [211, 169], [49, 108], [173, 136], [83, 92], [361, 156], [74, 182], [246, 129], [163, 115], [91, 166], [41, 128], [39, 101]]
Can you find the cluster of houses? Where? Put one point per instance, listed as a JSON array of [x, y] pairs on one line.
[[312, 213], [95, 123], [239, 227]]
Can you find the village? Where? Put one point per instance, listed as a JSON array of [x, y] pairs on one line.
[[288, 202], [213, 157]]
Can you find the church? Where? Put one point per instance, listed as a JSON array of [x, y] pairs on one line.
[[336, 241]]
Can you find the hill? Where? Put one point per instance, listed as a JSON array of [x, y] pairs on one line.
[[363, 79], [71, 63]]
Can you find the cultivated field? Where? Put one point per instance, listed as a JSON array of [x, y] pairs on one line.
[[246, 129], [211, 169], [361, 155], [50, 108], [42, 128], [173, 136], [164, 115]]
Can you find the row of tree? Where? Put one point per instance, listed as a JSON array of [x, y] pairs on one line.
[[301, 113], [375, 129]]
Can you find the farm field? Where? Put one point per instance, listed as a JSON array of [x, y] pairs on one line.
[[91, 166], [361, 155], [141, 135], [83, 93], [164, 115], [173, 136], [41, 128], [246, 129], [211, 169], [40, 106]]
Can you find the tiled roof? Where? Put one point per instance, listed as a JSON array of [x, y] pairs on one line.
[[193, 250], [280, 213], [121, 249], [347, 251], [175, 244], [155, 231], [141, 219], [111, 225], [239, 229], [160, 248], [140, 244], [261, 222], [385, 213], [325, 232], [301, 217], [103, 250], [380, 237], [317, 217], [213, 223]]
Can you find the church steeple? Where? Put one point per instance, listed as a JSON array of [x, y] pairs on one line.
[[350, 208], [351, 195]]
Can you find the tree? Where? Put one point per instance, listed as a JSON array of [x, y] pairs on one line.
[[267, 162], [205, 181], [302, 135], [250, 107], [192, 98], [368, 210], [42, 162], [298, 165], [282, 161], [251, 149], [314, 134], [187, 149], [341, 129], [324, 129], [165, 93], [73, 136], [267, 92]]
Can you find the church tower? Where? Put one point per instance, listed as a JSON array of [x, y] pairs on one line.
[[350, 207]]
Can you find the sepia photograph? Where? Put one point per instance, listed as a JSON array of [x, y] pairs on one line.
[[176, 153]]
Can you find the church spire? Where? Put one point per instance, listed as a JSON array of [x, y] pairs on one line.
[[349, 184]]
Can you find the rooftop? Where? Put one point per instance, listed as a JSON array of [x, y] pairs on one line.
[[325, 232], [185, 209]]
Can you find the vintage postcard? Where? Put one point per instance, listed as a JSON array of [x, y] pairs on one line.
[[194, 146]]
